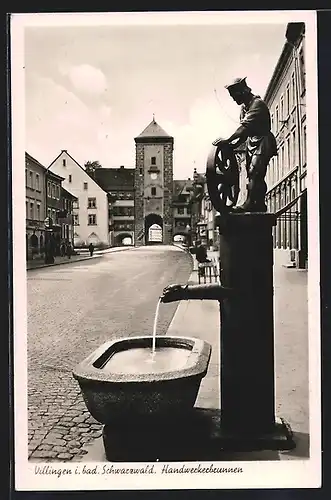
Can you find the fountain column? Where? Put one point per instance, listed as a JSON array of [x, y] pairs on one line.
[[246, 321]]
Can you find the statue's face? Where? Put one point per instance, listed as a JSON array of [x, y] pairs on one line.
[[237, 96]]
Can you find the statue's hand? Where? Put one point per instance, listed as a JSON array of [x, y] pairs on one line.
[[219, 141], [172, 293]]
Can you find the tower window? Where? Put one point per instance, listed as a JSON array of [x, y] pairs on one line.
[[153, 191], [153, 160]]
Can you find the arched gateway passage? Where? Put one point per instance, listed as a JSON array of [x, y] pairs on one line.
[[153, 229], [123, 239], [180, 237]]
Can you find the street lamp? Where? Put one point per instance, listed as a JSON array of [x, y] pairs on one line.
[[188, 235], [49, 254]]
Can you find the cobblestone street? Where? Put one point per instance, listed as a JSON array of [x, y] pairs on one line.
[[72, 310]]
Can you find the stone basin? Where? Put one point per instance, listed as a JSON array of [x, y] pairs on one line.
[[120, 380]]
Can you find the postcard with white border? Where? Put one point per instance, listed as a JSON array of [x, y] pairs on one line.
[[166, 285]]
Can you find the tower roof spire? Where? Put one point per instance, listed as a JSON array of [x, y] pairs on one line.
[[155, 132]]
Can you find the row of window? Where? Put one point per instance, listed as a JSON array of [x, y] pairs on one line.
[[123, 195], [32, 180], [182, 223], [67, 205], [51, 212], [123, 227], [91, 219], [183, 210], [287, 158], [33, 211], [91, 203], [123, 211], [288, 99], [53, 190]]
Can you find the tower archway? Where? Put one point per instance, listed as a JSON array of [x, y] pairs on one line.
[[153, 229]]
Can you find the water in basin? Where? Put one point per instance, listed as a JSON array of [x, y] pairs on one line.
[[144, 360]]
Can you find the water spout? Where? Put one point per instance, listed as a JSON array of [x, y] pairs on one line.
[[208, 291]]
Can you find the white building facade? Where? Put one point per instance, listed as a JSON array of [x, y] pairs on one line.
[[90, 211], [286, 175]]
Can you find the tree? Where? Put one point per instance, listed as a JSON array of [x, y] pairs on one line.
[[91, 166]]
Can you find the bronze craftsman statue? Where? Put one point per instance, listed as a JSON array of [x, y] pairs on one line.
[[255, 130]]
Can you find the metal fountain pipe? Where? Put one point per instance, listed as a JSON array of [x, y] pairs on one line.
[[208, 291]]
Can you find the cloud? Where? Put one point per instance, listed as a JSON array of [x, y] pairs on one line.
[[57, 119], [88, 79], [193, 140]]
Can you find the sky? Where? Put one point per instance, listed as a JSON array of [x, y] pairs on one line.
[[92, 89]]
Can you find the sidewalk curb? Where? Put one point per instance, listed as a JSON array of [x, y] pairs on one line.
[[69, 261]]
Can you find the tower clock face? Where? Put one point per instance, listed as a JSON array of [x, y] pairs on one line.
[[153, 177]]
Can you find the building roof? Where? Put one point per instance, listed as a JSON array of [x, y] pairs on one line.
[[30, 158], [57, 177], [68, 194], [154, 131], [76, 162], [115, 179], [180, 185], [293, 33]]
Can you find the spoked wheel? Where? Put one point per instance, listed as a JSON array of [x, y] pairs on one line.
[[222, 175]]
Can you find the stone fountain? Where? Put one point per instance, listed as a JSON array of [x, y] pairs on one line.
[[148, 413]]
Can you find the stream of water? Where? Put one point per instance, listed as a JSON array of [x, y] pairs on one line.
[[154, 328], [146, 360]]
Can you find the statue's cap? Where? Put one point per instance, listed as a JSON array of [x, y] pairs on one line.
[[238, 83]]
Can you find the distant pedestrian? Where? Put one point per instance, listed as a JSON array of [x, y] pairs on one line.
[[201, 256], [69, 250], [91, 249], [63, 249], [201, 253]]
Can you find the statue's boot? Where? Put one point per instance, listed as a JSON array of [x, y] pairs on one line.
[[245, 207], [255, 202]]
